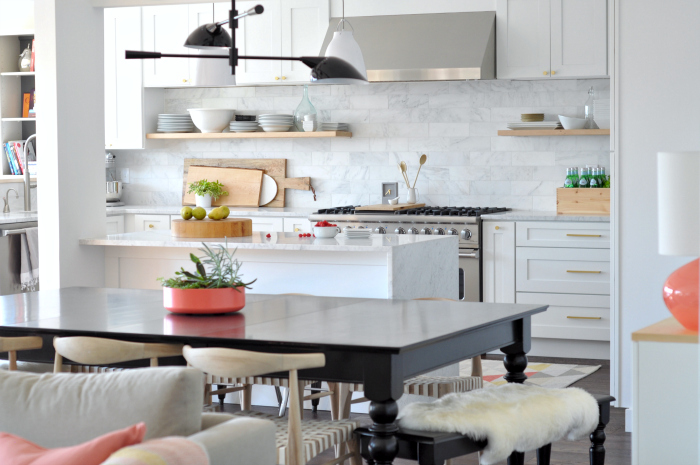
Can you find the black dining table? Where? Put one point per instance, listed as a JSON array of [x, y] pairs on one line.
[[377, 342]]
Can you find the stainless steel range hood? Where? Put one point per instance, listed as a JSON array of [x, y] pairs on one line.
[[429, 47]]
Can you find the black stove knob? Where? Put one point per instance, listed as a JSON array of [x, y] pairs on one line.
[[440, 232], [466, 234], [412, 231], [452, 232], [426, 231], [380, 230], [399, 231]]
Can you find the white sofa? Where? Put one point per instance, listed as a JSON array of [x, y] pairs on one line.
[[57, 410]]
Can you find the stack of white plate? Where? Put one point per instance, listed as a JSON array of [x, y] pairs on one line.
[[175, 123], [357, 233], [276, 123], [601, 113], [334, 126], [535, 125], [243, 126]]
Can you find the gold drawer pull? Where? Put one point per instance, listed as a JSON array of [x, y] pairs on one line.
[[585, 317], [582, 271], [584, 235]]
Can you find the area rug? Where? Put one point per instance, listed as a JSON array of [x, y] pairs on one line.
[[549, 375]]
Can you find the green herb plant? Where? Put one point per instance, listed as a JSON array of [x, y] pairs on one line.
[[223, 272], [204, 187]]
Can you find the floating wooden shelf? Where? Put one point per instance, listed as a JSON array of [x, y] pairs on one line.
[[553, 132], [8, 178], [248, 135], [19, 73], [18, 119]]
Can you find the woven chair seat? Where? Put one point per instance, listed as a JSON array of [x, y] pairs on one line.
[[434, 386], [317, 435], [257, 380]]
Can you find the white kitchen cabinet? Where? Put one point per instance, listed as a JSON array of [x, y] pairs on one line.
[[498, 261], [551, 38], [569, 271], [562, 234], [165, 29], [570, 316], [115, 224], [268, 224], [304, 26], [123, 79], [301, 225], [151, 222]]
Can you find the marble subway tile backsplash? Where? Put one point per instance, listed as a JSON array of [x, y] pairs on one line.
[[454, 123]]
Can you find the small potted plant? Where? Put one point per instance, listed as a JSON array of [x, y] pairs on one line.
[[220, 290], [205, 191]]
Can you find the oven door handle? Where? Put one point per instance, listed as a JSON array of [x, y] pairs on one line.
[[469, 255]]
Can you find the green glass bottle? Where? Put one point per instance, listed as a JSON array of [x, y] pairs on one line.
[[574, 172], [583, 180], [603, 177], [568, 181], [593, 182]]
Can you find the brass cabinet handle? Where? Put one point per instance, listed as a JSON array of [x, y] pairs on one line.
[[296, 229], [284, 77], [585, 317], [184, 80], [583, 271], [277, 78], [497, 228], [585, 235], [150, 226], [545, 72]]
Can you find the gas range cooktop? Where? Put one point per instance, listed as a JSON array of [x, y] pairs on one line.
[[422, 211]]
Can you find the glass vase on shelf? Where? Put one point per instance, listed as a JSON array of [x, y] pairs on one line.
[[588, 110], [305, 111]]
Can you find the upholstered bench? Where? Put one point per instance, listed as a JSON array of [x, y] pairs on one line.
[[434, 448]]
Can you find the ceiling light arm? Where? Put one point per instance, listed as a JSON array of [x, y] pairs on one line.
[[256, 10]]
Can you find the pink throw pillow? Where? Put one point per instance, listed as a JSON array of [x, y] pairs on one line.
[[17, 451]]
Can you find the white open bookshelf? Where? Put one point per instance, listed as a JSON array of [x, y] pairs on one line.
[[13, 83]]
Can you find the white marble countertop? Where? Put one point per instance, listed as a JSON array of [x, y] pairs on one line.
[[18, 217], [290, 212], [276, 241], [533, 215]]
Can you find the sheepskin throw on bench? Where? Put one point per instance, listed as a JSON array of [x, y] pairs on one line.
[[513, 417]]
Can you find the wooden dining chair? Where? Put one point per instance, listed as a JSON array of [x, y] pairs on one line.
[[12, 345], [92, 353], [245, 387], [423, 385], [297, 441]]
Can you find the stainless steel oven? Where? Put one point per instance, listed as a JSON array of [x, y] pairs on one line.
[[469, 275]]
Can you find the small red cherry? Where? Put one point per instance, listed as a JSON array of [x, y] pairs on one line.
[[301, 235], [268, 236]]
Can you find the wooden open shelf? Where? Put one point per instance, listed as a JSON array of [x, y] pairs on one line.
[[248, 135], [553, 132], [18, 119], [8, 178], [19, 73]]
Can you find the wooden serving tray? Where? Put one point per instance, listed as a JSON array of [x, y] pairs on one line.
[[585, 201], [389, 208], [229, 227]]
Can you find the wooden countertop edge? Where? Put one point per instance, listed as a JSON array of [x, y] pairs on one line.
[[668, 330]]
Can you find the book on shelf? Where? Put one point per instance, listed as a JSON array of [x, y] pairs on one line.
[[31, 65], [26, 97], [32, 100], [14, 151], [10, 158]]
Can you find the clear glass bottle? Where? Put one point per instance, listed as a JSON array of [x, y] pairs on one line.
[[583, 180], [568, 181], [588, 110], [305, 109]]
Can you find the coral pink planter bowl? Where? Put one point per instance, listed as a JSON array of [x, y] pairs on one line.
[[203, 301]]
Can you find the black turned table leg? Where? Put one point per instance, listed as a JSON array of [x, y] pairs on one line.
[[315, 402], [516, 458], [597, 450], [515, 362], [544, 454], [383, 447]]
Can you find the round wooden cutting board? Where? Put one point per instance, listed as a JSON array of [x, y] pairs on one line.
[[230, 227]]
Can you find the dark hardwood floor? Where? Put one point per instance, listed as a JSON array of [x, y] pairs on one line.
[[618, 443]]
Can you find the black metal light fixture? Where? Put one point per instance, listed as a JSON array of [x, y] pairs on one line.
[[324, 70]]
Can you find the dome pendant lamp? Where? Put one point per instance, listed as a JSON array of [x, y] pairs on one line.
[[344, 46]]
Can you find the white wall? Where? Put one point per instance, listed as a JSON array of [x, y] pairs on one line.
[[70, 140], [659, 97]]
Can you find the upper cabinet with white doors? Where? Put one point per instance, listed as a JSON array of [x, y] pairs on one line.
[[165, 29], [288, 28], [130, 110], [551, 38]]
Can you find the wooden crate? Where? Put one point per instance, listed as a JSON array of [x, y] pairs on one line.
[[586, 201]]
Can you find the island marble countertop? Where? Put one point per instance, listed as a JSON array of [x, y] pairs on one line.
[[276, 241], [533, 215], [18, 217], [289, 212]]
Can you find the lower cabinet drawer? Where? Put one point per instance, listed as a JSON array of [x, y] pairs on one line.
[[568, 271], [151, 222], [266, 224], [572, 316]]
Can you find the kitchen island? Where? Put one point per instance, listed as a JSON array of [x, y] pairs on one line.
[[381, 266]]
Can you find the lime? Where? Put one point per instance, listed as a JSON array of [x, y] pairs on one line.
[[226, 211], [199, 213], [186, 213]]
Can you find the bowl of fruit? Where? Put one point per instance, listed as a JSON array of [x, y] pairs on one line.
[[324, 229]]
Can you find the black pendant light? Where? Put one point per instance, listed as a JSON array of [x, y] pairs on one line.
[[324, 70]]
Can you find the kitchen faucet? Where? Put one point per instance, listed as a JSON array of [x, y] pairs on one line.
[[27, 186], [6, 200]]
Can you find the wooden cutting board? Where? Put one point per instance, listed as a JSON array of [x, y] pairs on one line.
[[243, 185], [229, 227], [276, 168], [390, 208]]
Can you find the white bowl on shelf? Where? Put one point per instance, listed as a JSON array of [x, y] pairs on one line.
[[326, 231], [572, 123], [275, 128], [211, 119]]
